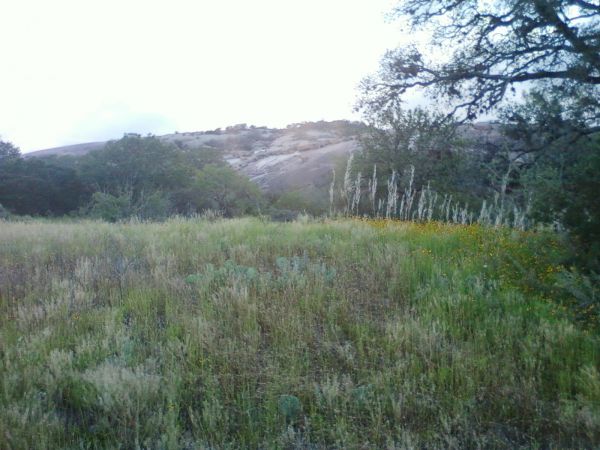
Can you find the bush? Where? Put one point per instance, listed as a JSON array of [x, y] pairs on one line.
[[283, 215], [111, 208], [565, 184], [156, 206], [4, 214], [312, 202], [221, 188]]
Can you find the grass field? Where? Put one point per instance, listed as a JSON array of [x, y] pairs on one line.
[[250, 334]]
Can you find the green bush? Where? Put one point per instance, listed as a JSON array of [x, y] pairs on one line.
[[110, 207], [311, 202], [4, 214], [113, 208], [220, 188]]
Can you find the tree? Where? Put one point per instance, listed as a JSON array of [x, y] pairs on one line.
[[154, 177], [112, 208], [37, 186], [137, 164], [221, 188], [563, 178], [551, 49], [8, 152], [494, 46], [398, 138]]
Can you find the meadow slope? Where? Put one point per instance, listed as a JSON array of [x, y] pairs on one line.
[[314, 334]]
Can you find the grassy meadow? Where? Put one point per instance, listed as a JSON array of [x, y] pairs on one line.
[[245, 333]]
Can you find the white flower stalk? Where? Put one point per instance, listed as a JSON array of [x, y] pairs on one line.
[[347, 188], [392, 186], [331, 191], [357, 193], [373, 188]]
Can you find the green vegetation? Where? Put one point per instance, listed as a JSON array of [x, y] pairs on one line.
[[36, 187], [550, 51], [250, 334], [428, 152], [220, 188], [244, 333], [135, 176]]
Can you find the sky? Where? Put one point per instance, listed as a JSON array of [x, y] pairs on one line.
[[77, 71]]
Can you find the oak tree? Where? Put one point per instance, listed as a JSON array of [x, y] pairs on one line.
[[492, 47]]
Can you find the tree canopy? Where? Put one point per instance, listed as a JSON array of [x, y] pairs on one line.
[[35, 186], [8, 152], [475, 55], [492, 47], [136, 176]]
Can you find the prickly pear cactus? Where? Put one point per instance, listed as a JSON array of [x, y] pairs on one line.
[[289, 407]]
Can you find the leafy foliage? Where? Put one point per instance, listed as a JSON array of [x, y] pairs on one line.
[[8, 152], [222, 188], [399, 138], [37, 186], [136, 164], [491, 47], [134, 176], [558, 163], [309, 201]]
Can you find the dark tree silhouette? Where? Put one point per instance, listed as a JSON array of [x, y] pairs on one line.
[[491, 48]]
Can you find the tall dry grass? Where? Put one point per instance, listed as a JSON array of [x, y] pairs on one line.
[[419, 204], [313, 334]]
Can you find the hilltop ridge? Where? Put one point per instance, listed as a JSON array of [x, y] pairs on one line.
[[300, 156], [297, 156]]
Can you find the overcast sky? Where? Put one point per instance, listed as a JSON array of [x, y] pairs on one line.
[[81, 70]]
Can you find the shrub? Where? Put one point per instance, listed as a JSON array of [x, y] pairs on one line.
[[4, 214]]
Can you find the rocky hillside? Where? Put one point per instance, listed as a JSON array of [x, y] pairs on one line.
[[296, 157]]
